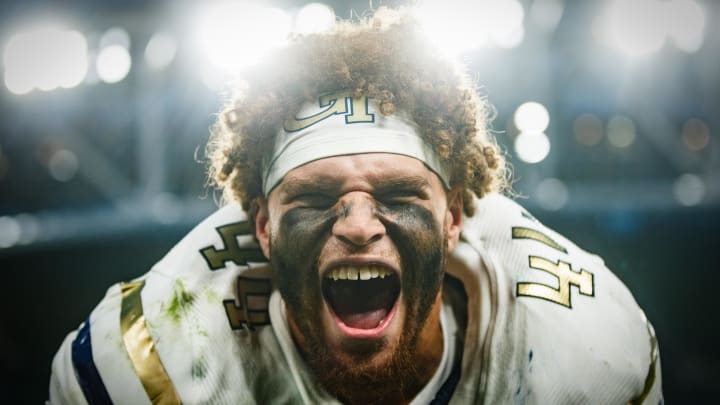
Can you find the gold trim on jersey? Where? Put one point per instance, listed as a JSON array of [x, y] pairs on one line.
[[519, 232], [651, 377], [141, 348]]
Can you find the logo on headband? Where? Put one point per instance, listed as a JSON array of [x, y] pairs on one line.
[[341, 102]]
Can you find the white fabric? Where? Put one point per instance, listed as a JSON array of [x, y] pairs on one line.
[[333, 136], [449, 329], [516, 349]]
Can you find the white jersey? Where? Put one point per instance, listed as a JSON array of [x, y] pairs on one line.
[[539, 321]]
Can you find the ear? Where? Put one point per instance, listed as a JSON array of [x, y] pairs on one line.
[[454, 217], [262, 225]]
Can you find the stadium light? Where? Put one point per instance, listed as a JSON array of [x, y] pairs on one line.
[[552, 194], [63, 165], [640, 27], [113, 63], [462, 25], [45, 58], [512, 39], [546, 14], [685, 24], [10, 232], [532, 117], [532, 147], [695, 134], [314, 17], [588, 129], [621, 131], [235, 35], [160, 50], [689, 189], [115, 36]]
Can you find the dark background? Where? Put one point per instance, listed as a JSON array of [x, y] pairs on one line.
[[651, 209]]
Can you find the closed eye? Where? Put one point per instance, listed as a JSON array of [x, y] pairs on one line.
[[313, 200], [403, 196]]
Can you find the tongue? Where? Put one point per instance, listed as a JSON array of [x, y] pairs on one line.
[[362, 304], [365, 320]]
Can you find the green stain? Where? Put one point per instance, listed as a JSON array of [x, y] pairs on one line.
[[199, 369], [212, 296], [181, 301]]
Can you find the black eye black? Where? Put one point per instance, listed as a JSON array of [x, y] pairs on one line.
[[400, 197], [314, 200]]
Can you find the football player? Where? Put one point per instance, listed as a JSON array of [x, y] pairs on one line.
[[365, 255]]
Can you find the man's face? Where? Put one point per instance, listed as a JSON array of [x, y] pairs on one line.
[[358, 245]]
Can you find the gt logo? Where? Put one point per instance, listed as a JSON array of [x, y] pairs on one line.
[[341, 102]]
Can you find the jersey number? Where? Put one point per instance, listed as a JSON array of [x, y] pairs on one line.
[[251, 308], [231, 251], [583, 280], [253, 296]]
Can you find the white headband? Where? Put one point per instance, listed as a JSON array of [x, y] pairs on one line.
[[344, 125]]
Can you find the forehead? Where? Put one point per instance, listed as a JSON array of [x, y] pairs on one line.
[[360, 171]]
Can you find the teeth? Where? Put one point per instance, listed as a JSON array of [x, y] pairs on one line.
[[358, 273], [352, 273]]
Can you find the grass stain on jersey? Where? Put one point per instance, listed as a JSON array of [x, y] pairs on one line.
[[180, 302], [199, 369]]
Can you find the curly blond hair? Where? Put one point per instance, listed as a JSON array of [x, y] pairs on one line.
[[384, 57]]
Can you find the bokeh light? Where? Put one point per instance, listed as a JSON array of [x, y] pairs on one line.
[[236, 35], [689, 189], [588, 129], [313, 18], [685, 24], [29, 228], [63, 165], [621, 131], [456, 26], [45, 58], [532, 117], [546, 14], [160, 50], [640, 27], [115, 36], [113, 63], [695, 134], [531, 147], [552, 194], [10, 232]]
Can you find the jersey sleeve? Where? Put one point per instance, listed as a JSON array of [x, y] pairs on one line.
[[567, 330], [180, 333], [64, 387], [652, 389], [92, 365]]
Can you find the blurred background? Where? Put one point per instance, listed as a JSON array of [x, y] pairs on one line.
[[608, 110]]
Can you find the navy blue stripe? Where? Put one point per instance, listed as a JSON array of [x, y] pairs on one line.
[[447, 390], [85, 370]]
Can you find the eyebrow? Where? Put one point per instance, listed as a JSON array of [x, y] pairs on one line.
[[401, 182], [328, 184], [297, 185]]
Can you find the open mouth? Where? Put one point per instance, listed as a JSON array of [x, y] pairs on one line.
[[361, 297]]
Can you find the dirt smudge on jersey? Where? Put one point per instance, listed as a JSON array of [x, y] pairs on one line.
[[180, 302]]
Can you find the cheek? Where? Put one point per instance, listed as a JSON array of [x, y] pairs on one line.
[[300, 235], [411, 222], [420, 241]]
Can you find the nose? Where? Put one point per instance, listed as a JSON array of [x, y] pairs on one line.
[[358, 223]]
